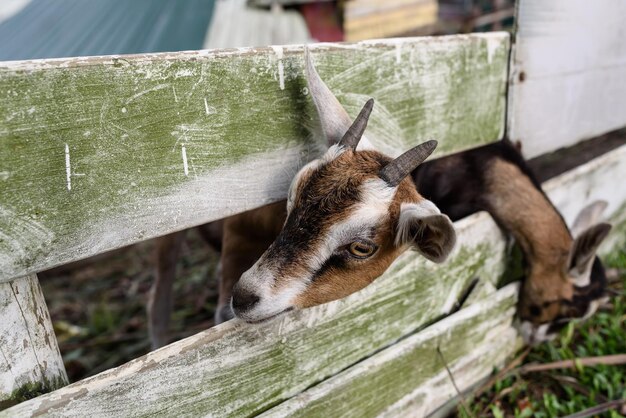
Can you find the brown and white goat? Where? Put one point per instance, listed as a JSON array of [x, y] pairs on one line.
[[350, 214], [564, 278]]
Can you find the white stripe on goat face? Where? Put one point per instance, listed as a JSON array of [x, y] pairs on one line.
[[373, 210]]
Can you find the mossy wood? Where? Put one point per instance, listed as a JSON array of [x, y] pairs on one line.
[[30, 361], [410, 377], [237, 369], [567, 73], [98, 153]]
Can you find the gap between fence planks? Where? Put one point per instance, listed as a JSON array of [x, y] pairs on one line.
[[97, 153]]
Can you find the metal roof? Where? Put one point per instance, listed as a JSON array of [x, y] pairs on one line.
[[64, 28]]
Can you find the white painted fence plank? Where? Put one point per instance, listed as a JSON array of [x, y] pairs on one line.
[[30, 361], [602, 178], [568, 78]]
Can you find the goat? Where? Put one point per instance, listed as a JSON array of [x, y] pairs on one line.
[[564, 279], [350, 213]]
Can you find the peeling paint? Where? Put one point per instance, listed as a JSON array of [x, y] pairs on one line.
[[31, 358]]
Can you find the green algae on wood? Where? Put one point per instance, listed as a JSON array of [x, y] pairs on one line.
[[410, 377], [238, 370], [101, 152]]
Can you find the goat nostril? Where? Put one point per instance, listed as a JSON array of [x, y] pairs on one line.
[[243, 301], [534, 310]]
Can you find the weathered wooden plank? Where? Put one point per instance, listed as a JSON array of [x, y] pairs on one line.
[[409, 379], [600, 179], [567, 79], [30, 361], [97, 153], [390, 22], [617, 239], [236, 369], [355, 8]]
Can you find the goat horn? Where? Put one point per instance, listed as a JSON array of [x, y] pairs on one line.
[[352, 137], [394, 172]]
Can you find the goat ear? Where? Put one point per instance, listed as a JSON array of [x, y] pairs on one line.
[[588, 216], [584, 250], [426, 229], [333, 117]]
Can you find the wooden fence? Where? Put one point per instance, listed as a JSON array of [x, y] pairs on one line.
[[97, 153]]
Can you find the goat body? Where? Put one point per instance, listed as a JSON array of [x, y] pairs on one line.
[[495, 178], [564, 278]]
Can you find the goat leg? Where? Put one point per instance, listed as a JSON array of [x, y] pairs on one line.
[[160, 298]]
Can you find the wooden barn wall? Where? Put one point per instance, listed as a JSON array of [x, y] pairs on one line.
[[567, 73]]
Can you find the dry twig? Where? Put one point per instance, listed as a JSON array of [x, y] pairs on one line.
[[461, 397], [603, 407], [611, 360], [504, 372]]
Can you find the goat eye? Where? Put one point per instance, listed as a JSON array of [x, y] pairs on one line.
[[360, 249]]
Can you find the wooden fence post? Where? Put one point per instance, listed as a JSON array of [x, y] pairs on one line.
[[30, 361]]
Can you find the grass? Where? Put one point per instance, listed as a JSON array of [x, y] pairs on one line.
[[563, 392]]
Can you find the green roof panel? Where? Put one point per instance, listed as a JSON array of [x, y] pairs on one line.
[[66, 28]]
